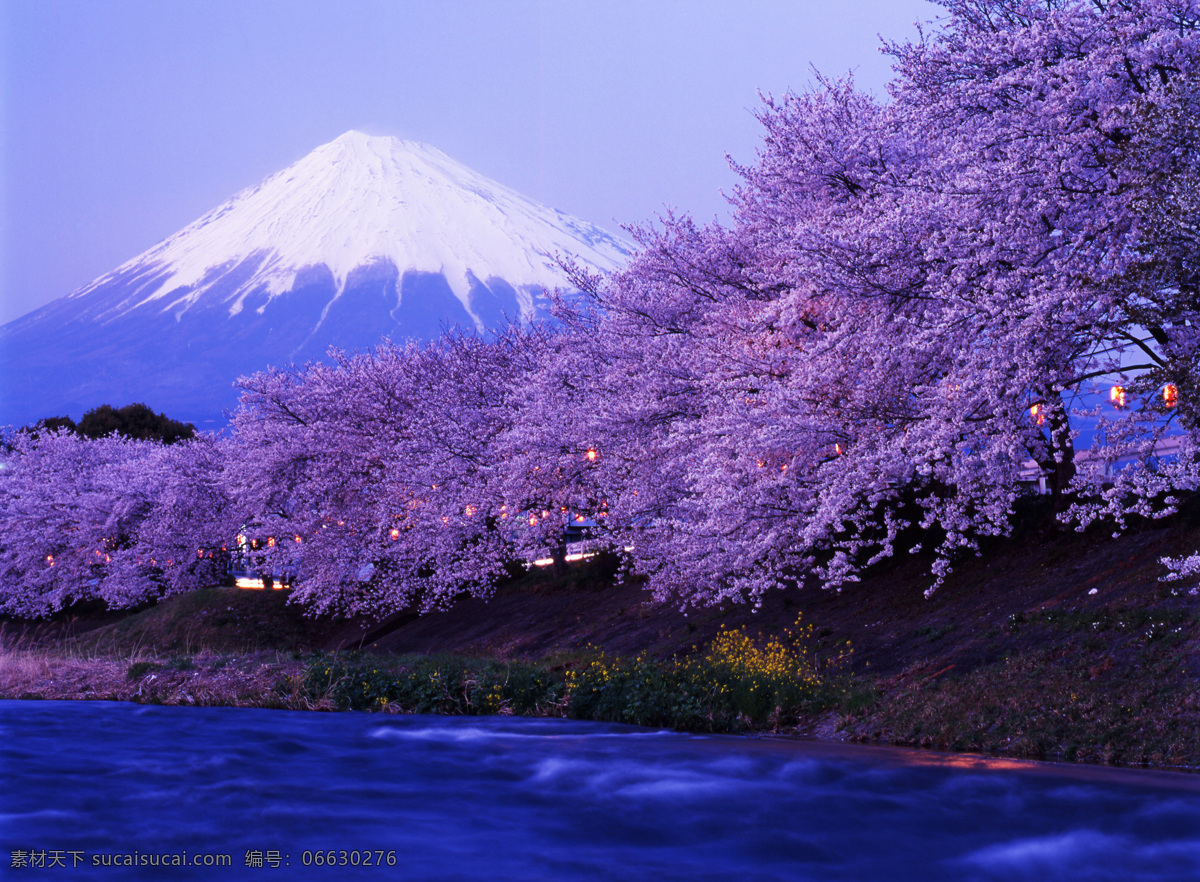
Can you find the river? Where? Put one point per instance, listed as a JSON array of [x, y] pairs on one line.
[[116, 791]]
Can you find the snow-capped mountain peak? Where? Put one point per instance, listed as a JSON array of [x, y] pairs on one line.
[[365, 237], [359, 201]]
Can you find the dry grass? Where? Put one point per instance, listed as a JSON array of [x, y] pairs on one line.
[[260, 679], [20, 667], [38, 673]]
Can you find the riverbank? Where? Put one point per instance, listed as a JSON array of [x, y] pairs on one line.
[[1043, 706], [737, 686], [1052, 645]]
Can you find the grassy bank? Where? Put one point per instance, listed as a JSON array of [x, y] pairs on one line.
[[1071, 702], [738, 686], [1114, 685], [1052, 645]]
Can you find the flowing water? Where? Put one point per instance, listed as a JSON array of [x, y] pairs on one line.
[[277, 794]]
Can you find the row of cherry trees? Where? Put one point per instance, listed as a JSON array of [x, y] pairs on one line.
[[386, 480], [904, 310]]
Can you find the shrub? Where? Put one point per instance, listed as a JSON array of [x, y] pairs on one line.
[[737, 685], [442, 684]]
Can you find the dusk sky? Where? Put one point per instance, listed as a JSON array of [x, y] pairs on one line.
[[122, 121]]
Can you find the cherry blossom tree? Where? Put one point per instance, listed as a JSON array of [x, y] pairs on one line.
[[374, 475], [909, 299], [113, 519]]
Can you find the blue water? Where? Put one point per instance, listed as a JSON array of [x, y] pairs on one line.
[[505, 798]]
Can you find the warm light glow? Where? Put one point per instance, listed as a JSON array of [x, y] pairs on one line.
[[533, 520], [1117, 396], [270, 542], [256, 584], [1037, 415], [570, 558], [592, 455], [470, 511], [297, 538], [395, 534], [50, 559], [1170, 395], [579, 519], [837, 449], [199, 553]]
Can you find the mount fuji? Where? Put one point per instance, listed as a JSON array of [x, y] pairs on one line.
[[363, 238]]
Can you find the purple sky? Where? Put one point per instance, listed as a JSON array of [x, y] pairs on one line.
[[121, 121]]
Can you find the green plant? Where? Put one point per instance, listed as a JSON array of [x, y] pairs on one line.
[[739, 684], [139, 669], [443, 684]]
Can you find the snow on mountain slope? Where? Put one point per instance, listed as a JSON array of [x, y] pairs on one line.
[[363, 238], [355, 202]]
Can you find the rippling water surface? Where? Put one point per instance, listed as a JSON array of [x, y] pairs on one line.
[[506, 798]]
